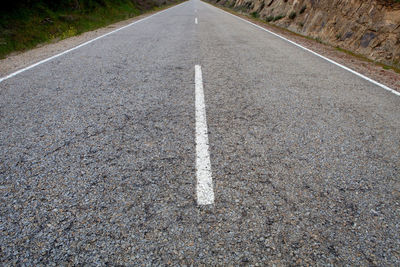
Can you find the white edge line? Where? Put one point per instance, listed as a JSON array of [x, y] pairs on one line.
[[204, 186], [81, 45], [315, 53]]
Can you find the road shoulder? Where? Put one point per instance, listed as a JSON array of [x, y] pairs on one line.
[[19, 60], [370, 69]]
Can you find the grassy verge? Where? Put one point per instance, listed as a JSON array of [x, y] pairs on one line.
[[26, 24], [255, 18], [361, 57]]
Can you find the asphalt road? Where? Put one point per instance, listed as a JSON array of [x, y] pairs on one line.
[[98, 153]]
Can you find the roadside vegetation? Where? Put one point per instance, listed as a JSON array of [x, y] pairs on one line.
[[255, 16], [292, 15], [25, 23]]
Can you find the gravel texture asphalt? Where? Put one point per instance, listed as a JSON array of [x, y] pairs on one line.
[[97, 153]]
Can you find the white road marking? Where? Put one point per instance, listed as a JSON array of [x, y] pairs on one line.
[[315, 53], [205, 193], [83, 44], [195, 20]]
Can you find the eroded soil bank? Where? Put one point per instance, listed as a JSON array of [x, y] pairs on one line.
[[367, 27]]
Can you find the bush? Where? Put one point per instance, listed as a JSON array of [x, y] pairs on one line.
[[254, 14], [303, 9], [278, 17], [26, 23], [292, 15], [269, 18]]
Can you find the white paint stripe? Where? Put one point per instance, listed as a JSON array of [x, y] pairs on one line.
[[205, 193], [195, 20], [315, 53], [81, 45]]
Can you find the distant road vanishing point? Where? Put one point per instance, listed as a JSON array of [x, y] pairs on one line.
[[193, 137]]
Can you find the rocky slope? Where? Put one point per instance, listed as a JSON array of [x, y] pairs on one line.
[[367, 27]]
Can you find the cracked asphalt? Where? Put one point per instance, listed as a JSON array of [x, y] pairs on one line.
[[97, 153]]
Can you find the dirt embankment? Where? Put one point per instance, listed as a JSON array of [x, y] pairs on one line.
[[367, 27]]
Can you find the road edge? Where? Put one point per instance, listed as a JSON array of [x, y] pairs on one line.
[[19, 69], [308, 50]]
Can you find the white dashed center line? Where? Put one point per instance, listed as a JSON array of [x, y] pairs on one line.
[[195, 20], [205, 193]]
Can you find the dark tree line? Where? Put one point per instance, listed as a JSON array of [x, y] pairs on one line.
[[59, 4]]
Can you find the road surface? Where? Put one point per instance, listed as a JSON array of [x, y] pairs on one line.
[[193, 137]]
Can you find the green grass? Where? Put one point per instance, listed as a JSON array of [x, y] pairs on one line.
[[24, 27], [364, 58]]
